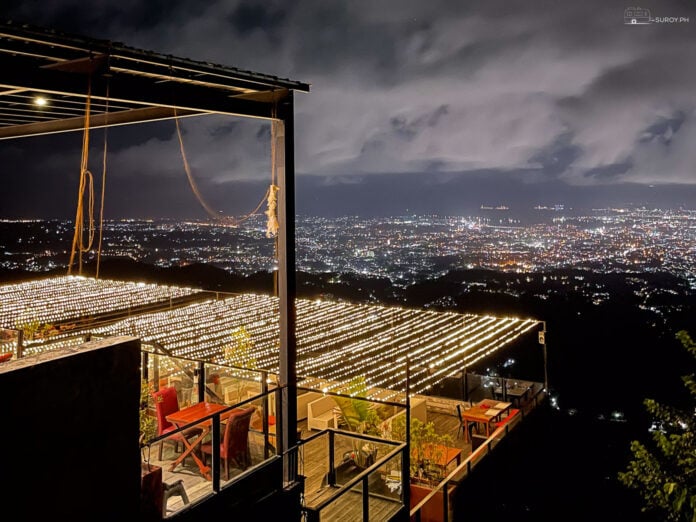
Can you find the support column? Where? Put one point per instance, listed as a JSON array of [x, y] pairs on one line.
[[287, 287]]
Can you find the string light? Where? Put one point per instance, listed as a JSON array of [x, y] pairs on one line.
[[59, 299], [336, 341]]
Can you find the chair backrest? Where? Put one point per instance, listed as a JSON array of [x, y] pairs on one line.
[[236, 438], [459, 412], [166, 402]]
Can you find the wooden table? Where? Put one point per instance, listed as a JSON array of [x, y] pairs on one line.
[[190, 416], [445, 455], [516, 390], [485, 412]]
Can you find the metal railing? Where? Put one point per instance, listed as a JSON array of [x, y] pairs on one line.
[[442, 490], [367, 481], [255, 387]]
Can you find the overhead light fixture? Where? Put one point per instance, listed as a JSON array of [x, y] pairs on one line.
[[41, 101]]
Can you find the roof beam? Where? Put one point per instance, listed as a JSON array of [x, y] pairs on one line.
[[18, 74], [148, 114]]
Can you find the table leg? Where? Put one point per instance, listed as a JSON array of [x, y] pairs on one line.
[[190, 447]]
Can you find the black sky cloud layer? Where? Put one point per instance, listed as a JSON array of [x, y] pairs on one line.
[[562, 94]]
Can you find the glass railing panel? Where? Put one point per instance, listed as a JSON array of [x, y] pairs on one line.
[[264, 436], [236, 385], [385, 489], [185, 465], [353, 454], [165, 371], [313, 465], [230, 385]]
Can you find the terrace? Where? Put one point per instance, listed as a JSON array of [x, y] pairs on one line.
[[335, 488]]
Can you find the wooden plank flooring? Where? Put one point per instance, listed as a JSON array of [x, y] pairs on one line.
[[348, 508]]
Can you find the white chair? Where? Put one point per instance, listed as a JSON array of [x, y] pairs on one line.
[[303, 400], [320, 413]]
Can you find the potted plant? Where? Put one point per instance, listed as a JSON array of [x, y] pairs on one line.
[[427, 449], [359, 416], [148, 424]]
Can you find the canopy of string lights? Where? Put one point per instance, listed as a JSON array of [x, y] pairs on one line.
[[69, 299], [336, 341]]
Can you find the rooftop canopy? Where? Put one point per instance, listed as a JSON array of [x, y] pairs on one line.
[[68, 300], [336, 341], [47, 78]]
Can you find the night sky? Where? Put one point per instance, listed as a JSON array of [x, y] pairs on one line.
[[415, 107]]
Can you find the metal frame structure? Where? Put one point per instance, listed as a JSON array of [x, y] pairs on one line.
[[125, 85]]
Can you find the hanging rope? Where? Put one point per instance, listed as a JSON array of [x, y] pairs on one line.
[[270, 196], [272, 217], [86, 184], [103, 186], [194, 187], [272, 210]]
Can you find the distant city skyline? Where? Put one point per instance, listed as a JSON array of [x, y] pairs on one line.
[[403, 249], [434, 107]]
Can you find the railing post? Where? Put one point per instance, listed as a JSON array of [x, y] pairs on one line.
[[20, 343], [156, 372], [331, 479], [406, 477], [366, 499], [466, 385], [406, 471], [264, 414], [280, 426], [144, 370], [445, 503], [312, 516], [199, 374], [215, 454]]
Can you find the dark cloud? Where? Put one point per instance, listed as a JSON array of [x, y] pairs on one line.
[[248, 17], [557, 93]]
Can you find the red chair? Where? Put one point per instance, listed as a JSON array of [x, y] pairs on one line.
[[166, 402], [235, 441]]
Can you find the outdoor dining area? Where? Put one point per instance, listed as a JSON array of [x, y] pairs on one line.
[[205, 417], [198, 435]]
